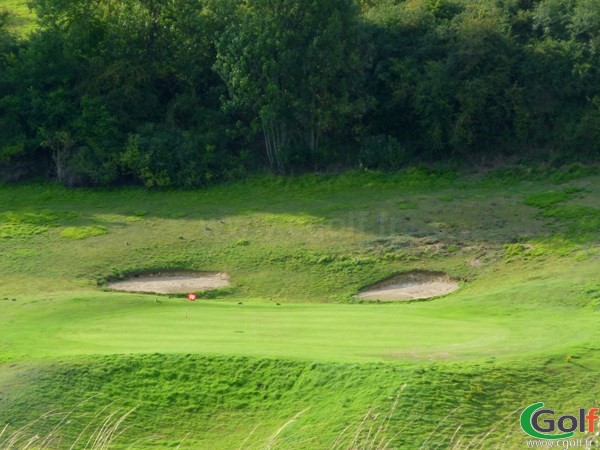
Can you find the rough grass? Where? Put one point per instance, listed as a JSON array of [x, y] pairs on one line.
[[299, 364], [222, 402], [78, 233], [23, 224], [22, 18]]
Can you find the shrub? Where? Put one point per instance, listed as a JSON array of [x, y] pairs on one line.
[[381, 152]]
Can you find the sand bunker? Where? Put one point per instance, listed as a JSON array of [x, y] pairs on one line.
[[171, 282], [410, 286]]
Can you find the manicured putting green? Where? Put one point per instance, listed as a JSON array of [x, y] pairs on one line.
[[466, 325]]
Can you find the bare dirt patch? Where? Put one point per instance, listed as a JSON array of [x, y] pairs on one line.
[[171, 282], [416, 285]]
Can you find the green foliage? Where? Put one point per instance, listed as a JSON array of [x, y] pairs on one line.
[[167, 156], [552, 17], [296, 65], [190, 93], [381, 152]]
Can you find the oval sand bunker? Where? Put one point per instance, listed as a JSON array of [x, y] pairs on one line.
[[171, 282], [415, 285]]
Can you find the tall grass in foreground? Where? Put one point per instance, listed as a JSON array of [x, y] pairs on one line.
[[99, 434], [373, 432]]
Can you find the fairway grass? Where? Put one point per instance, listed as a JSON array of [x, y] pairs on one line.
[[288, 339]]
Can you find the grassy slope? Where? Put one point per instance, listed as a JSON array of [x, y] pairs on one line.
[[23, 19], [523, 328]]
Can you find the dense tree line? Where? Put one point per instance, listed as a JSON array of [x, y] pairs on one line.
[[189, 92]]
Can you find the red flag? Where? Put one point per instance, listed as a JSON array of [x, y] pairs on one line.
[[192, 297]]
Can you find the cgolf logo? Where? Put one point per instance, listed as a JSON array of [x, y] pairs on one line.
[[539, 422]]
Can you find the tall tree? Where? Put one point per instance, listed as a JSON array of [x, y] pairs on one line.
[[297, 65]]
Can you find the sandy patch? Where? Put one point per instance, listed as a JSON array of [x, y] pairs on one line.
[[410, 286], [476, 262], [171, 282]]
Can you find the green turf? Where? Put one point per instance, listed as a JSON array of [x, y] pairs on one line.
[[522, 328]]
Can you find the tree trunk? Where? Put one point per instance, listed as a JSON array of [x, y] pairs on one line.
[[276, 143]]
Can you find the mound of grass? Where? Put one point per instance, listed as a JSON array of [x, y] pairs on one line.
[[78, 233], [12, 230], [23, 224], [247, 400]]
